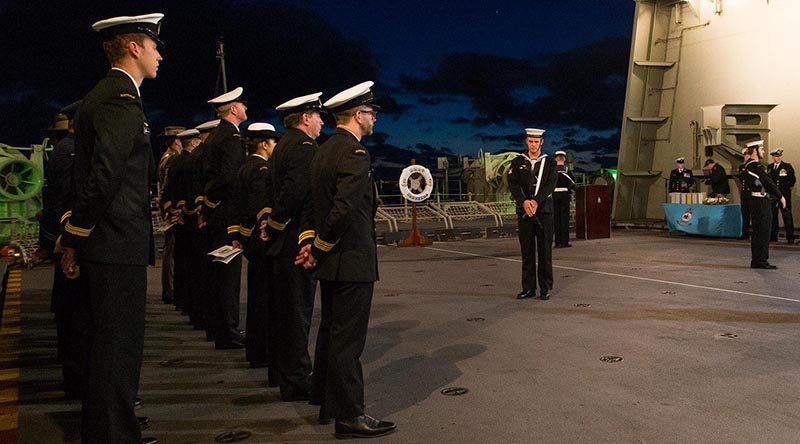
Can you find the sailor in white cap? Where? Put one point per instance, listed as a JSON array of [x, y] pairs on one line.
[[782, 173], [681, 179], [761, 188], [344, 255], [744, 194], [223, 155], [255, 194], [279, 226], [108, 230], [562, 197], [532, 179], [205, 128]]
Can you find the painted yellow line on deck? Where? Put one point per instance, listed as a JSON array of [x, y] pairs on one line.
[[9, 332]]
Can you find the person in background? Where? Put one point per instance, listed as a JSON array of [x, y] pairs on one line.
[[782, 174], [562, 196], [681, 178], [718, 179], [744, 195]]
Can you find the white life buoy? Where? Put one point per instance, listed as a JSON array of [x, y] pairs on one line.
[[416, 183]]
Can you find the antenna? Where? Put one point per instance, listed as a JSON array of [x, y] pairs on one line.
[[221, 57]]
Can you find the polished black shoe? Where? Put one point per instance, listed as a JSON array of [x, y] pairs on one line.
[[137, 402], [149, 441], [363, 426], [144, 422], [259, 365], [292, 397], [229, 345], [764, 266], [567, 245], [545, 295], [525, 294]]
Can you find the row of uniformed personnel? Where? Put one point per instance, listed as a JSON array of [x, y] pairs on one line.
[[301, 214], [315, 215]]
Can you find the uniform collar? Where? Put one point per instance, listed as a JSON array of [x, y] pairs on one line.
[[114, 68], [348, 130], [259, 155]]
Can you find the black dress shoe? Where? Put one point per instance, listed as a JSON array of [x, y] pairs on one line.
[[545, 295], [144, 422], [259, 365], [292, 397], [363, 426], [149, 441], [137, 402], [229, 345], [525, 294], [764, 266], [567, 245]]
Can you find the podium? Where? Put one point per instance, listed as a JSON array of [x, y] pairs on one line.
[[592, 212]]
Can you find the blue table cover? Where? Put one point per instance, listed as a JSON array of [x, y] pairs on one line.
[[706, 220]]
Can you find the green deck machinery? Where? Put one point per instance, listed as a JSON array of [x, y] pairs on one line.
[[21, 181]]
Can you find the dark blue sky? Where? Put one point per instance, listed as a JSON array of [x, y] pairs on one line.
[[456, 75]]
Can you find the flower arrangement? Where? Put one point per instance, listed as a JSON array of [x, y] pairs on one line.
[[715, 201]]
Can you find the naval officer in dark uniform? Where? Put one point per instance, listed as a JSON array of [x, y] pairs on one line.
[[223, 156], [681, 178], [342, 215], [532, 179], [744, 195], [782, 174], [762, 189], [294, 287], [717, 179], [108, 233], [253, 176], [562, 196]]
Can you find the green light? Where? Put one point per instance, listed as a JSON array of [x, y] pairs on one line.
[[613, 172]]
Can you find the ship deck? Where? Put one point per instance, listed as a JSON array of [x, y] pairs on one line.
[[709, 351]]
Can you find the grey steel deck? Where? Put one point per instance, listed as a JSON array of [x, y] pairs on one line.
[[445, 316]]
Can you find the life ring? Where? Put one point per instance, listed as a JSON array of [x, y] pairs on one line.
[[416, 183]]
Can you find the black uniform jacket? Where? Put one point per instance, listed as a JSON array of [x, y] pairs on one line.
[[197, 181], [343, 211], [56, 191], [253, 178], [783, 176], [289, 171], [223, 156], [718, 180], [565, 180], [110, 220], [680, 181], [757, 180], [177, 191], [522, 182]]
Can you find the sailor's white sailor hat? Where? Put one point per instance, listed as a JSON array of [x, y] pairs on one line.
[[534, 132], [261, 130], [300, 104], [680, 160], [234, 95], [190, 133], [755, 143], [560, 153], [352, 97], [149, 24], [207, 126]]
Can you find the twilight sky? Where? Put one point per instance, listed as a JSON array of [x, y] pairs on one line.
[[450, 74]]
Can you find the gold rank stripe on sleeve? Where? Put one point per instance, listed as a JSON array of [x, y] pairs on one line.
[[77, 231], [181, 203], [211, 204], [360, 151], [246, 232], [167, 204], [305, 235], [276, 225], [199, 199], [129, 96], [264, 211], [66, 216], [322, 245], [234, 229]]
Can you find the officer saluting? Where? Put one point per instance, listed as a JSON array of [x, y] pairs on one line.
[[108, 230], [532, 180], [681, 178], [345, 255], [223, 156], [561, 200], [782, 174], [761, 188]]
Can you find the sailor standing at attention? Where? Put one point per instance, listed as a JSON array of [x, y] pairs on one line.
[[108, 232], [532, 180], [782, 174], [761, 188], [561, 200]]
